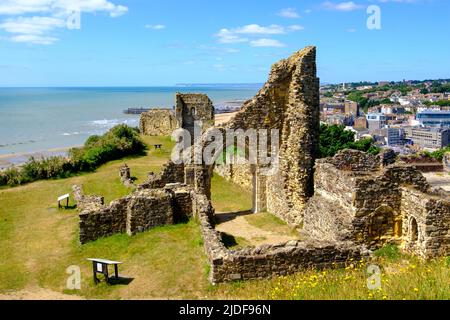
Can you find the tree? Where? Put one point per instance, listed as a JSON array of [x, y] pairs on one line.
[[335, 138]]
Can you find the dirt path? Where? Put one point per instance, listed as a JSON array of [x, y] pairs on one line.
[[237, 226], [38, 294]]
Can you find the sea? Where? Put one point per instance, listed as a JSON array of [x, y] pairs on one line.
[[52, 119]]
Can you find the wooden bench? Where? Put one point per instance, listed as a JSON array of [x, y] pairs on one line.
[[101, 266], [64, 197]]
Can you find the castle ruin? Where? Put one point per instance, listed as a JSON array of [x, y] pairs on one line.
[[348, 205]]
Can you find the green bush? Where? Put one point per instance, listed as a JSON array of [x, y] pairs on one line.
[[438, 154], [117, 143]]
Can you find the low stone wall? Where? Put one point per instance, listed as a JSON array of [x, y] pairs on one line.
[[267, 260], [138, 212], [158, 122], [353, 160], [170, 173], [86, 202], [148, 209], [102, 222]]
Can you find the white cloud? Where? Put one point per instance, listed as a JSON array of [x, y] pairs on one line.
[[34, 39], [289, 13], [296, 27], [351, 30], [228, 36], [18, 7], [31, 25], [155, 26], [266, 43], [36, 19], [257, 29], [245, 33], [341, 6]]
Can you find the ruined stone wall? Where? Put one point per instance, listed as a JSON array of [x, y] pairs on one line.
[[170, 173], [354, 202], [158, 122], [125, 176], [353, 160], [267, 260], [431, 214], [148, 209], [192, 107], [239, 174], [102, 222], [85, 202], [138, 212], [289, 102], [182, 202]]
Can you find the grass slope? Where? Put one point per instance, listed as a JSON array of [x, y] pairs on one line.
[[38, 243]]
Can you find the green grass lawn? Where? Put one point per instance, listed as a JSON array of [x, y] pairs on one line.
[[38, 243]]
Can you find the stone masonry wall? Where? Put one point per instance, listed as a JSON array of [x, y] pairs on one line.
[[138, 212], [170, 173], [239, 174], [148, 209], [86, 202], [354, 202], [158, 122], [432, 216], [192, 107], [101, 222], [267, 260], [289, 102]]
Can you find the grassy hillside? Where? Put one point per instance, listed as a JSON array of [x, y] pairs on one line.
[[38, 242]]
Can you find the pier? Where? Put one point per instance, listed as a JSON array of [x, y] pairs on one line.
[[135, 110]]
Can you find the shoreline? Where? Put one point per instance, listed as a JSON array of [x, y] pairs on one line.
[[17, 159]]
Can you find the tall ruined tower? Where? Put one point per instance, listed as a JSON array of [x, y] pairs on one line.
[[289, 102], [193, 109]]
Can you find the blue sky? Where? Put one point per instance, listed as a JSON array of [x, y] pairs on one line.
[[151, 43]]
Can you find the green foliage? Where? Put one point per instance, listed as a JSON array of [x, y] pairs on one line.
[[441, 103], [335, 138], [390, 252], [117, 143], [438, 154], [437, 87]]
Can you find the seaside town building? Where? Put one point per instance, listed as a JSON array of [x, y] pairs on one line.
[[431, 138]]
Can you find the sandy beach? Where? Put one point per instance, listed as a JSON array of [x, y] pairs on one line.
[[224, 118], [14, 159]]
